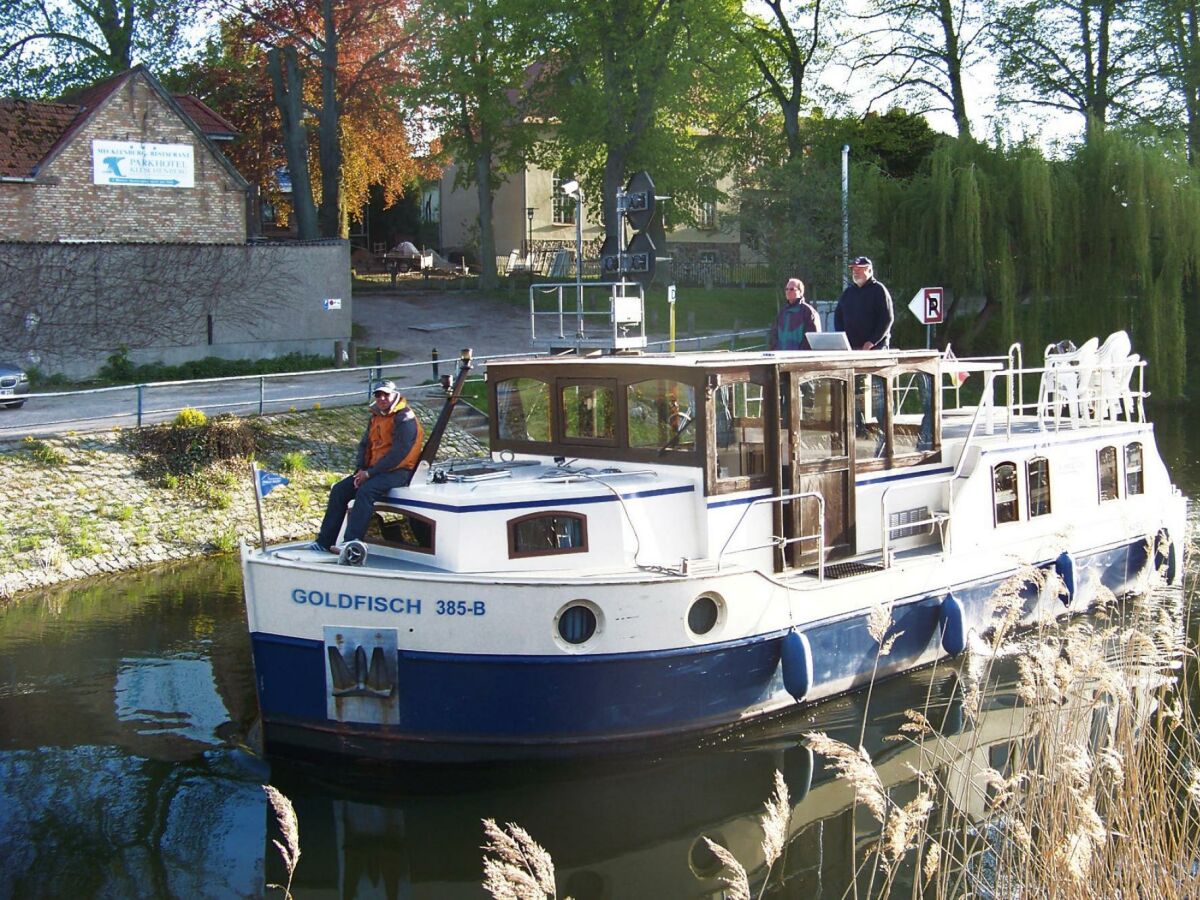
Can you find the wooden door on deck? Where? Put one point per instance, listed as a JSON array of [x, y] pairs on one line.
[[820, 423]]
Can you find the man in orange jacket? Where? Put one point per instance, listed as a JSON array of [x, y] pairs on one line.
[[387, 455]]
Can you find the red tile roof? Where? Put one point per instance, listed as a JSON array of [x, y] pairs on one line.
[[28, 131], [211, 122], [31, 129]]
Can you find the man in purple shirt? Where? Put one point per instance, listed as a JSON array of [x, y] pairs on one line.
[[795, 322]]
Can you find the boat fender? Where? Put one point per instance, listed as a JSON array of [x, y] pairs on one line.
[[1064, 566], [1164, 555], [953, 625], [797, 660]]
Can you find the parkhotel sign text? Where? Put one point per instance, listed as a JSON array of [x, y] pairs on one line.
[[147, 165]]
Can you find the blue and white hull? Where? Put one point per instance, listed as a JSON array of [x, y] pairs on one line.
[[529, 605]]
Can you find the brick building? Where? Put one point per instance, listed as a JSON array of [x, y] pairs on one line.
[[125, 161]]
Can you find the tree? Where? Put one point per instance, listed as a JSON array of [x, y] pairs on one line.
[[48, 48], [788, 49], [927, 46], [474, 84], [1175, 25], [644, 84], [1091, 57], [335, 59]]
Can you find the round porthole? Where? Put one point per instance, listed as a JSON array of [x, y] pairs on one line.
[[577, 623], [704, 614]]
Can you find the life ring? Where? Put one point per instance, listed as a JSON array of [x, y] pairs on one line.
[[1064, 566], [797, 660], [953, 624]]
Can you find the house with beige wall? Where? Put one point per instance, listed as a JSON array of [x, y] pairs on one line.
[[716, 239]]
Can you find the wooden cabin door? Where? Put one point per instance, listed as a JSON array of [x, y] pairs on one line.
[[819, 420]]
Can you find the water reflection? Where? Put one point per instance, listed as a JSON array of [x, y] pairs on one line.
[[126, 711]]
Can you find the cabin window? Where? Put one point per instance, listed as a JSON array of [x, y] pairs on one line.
[[822, 417], [1004, 493], [1133, 470], [400, 528], [589, 413], [1037, 476], [870, 428], [660, 415], [1106, 464], [523, 410], [542, 534], [740, 430], [912, 413]]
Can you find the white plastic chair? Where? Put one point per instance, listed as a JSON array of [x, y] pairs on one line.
[[1106, 384], [1066, 382]]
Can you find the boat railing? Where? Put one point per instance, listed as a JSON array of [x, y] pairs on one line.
[[939, 519], [596, 315], [781, 541], [1071, 392]]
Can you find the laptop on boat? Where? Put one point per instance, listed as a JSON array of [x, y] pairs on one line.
[[828, 340]]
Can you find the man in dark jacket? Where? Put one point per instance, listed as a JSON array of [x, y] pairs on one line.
[[864, 311], [795, 322], [387, 455]]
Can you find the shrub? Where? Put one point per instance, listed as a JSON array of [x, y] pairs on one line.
[[226, 541], [44, 454], [190, 418], [293, 461], [178, 450]]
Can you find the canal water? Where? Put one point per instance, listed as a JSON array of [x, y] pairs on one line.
[[128, 769]]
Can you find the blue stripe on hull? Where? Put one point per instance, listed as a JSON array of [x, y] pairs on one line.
[[512, 700]]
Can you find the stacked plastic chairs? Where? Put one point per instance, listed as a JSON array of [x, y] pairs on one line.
[[1091, 383]]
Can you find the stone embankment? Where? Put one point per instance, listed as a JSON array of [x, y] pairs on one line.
[[78, 506]]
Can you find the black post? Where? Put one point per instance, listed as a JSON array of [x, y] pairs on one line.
[[434, 359], [378, 364]]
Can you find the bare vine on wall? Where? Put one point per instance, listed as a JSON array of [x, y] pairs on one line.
[[64, 300]]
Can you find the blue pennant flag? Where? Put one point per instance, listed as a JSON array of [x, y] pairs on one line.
[[268, 481]]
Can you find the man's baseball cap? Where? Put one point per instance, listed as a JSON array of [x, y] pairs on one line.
[[388, 386], [861, 261]]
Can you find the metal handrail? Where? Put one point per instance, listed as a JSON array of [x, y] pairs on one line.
[[779, 540]]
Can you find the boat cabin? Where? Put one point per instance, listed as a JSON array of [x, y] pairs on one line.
[[801, 426]]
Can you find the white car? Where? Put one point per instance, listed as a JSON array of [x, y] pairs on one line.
[[14, 385]]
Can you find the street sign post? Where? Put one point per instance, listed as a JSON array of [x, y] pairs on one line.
[[928, 305]]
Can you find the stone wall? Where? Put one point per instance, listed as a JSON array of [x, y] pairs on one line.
[[62, 203], [66, 307]]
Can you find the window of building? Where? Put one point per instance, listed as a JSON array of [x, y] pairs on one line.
[[660, 415], [1004, 493], [1037, 478], [708, 257], [545, 533], [564, 206], [1133, 470], [1106, 465], [400, 528], [523, 409], [707, 218], [740, 430], [589, 412]]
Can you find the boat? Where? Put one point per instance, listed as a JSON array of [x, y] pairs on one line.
[[664, 544]]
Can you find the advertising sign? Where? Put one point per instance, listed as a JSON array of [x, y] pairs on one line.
[[144, 165]]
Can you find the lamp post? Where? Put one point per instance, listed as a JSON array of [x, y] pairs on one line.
[[573, 190], [529, 245]]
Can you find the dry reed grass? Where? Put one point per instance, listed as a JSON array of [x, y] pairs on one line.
[[1099, 794], [289, 829]]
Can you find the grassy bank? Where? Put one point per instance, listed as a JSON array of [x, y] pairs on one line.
[[82, 505]]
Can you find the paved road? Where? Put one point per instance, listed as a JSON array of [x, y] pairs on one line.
[[410, 324]]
